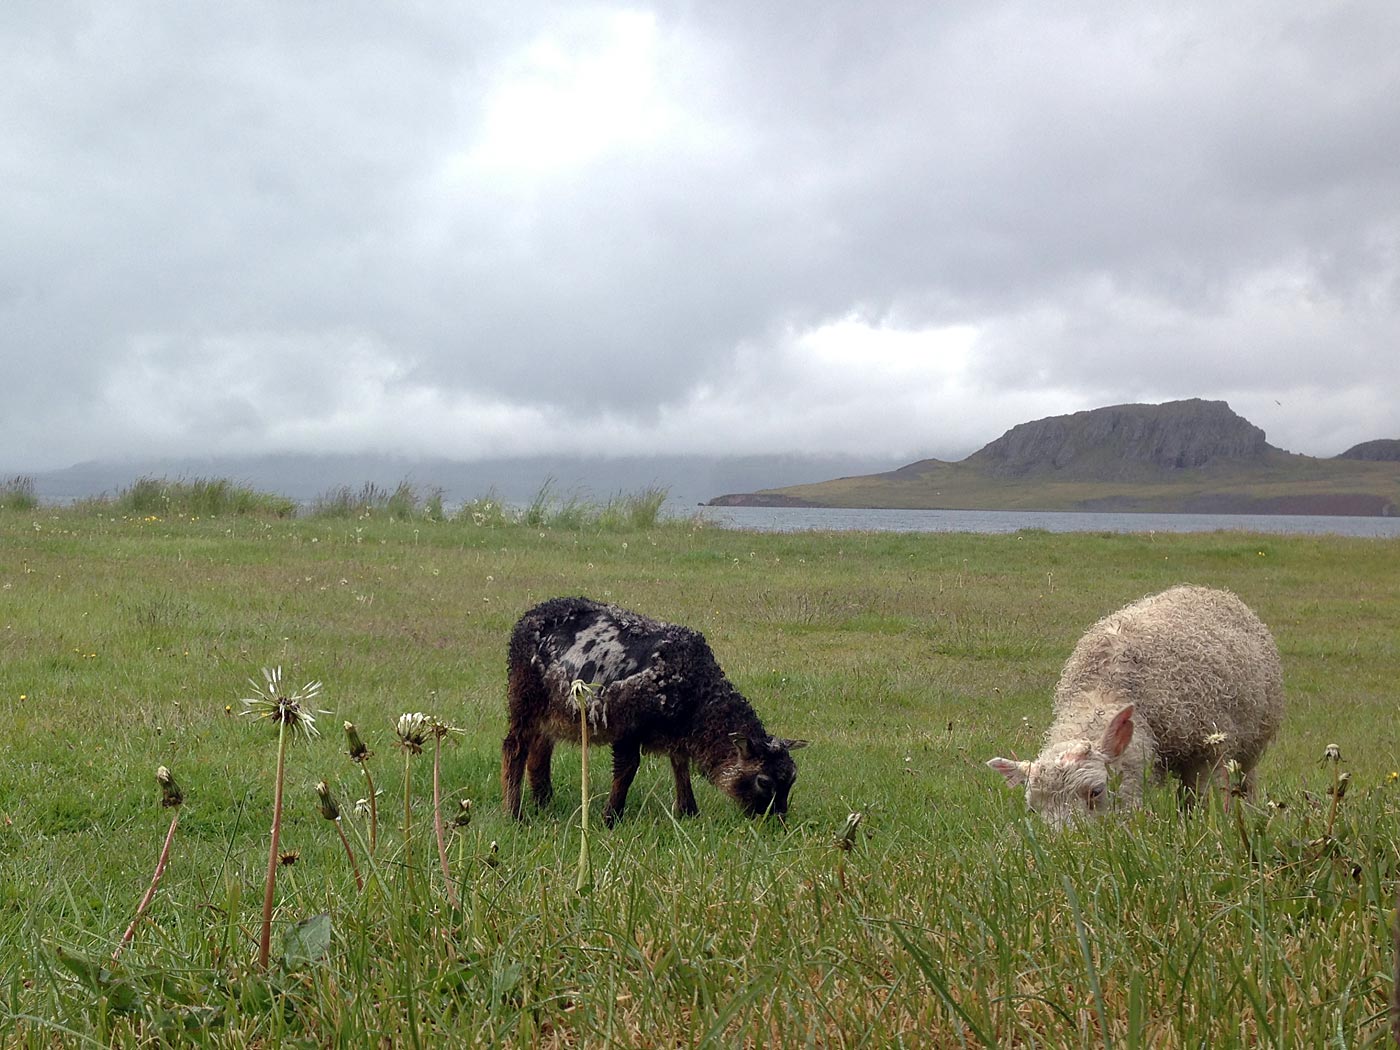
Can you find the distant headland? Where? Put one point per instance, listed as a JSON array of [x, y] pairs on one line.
[[1190, 456]]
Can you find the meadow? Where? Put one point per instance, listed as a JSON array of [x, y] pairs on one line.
[[942, 916]]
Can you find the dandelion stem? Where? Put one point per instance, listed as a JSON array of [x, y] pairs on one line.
[[407, 816], [265, 936], [373, 809], [585, 862], [354, 865], [150, 890], [438, 827], [1395, 977], [1336, 798]]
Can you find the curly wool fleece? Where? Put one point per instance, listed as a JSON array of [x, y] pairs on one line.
[[1177, 683]]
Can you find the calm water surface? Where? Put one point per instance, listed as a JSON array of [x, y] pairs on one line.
[[797, 519]]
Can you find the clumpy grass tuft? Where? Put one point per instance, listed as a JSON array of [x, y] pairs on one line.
[[18, 493], [191, 498], [404, 502]]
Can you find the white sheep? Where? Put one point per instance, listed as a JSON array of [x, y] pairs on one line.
[[1179, 683]]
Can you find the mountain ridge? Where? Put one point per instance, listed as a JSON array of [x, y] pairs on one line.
[[1193, 455]]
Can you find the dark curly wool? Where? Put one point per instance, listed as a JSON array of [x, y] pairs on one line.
[[656, 687]]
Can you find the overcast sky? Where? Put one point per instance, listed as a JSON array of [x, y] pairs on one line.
[[511, 228]]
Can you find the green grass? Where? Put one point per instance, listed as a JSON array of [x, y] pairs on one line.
[[17, 493], [189, 498], [127, 641]]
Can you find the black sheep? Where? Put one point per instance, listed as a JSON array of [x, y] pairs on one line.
[[656, 687]]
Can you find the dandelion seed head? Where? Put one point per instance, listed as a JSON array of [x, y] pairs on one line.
[[412, 729], [271, 702]]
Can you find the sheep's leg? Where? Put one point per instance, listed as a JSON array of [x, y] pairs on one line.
[[1227, 793], [1251, 783], [627, 756], [525, 705], [537, 765], [514, 751], [685, 796], [1195, 781]]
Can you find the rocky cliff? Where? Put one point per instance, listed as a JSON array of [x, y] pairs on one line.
[[1191, 456], [1124, 442]]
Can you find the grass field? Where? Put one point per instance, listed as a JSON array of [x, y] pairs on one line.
[[126, 642]]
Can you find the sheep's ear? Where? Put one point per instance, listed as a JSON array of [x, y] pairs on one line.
[[779, 743], [1119, 733], [743, 745], [1014, 772]]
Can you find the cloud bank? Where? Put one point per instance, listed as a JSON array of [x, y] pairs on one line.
[[505, 229]]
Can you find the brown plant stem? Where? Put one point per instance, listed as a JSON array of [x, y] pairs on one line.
[[354, 866], [373, 809], [150, 890], [265, 936], [585, 861], [1395, 976], [438, 826], [407, 815]]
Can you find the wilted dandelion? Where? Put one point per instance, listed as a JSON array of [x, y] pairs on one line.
[[1340, 781], [412, 729], [331, 811], [846, 837], [171, 797], [844, 842], [1339, 790], [360, 755], [285, 710]]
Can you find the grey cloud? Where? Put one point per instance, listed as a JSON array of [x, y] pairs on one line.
[[1102, 191]]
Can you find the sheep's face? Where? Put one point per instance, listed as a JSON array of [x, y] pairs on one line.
[[1070, 779], [762, 774], [1068, 783]]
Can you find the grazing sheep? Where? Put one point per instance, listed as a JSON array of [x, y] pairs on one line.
[[1177, 683], [657, 687]]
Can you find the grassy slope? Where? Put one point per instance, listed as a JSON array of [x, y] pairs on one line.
[[957, 486], [907, 660]]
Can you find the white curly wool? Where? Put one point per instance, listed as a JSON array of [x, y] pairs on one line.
[[1181, 683]]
